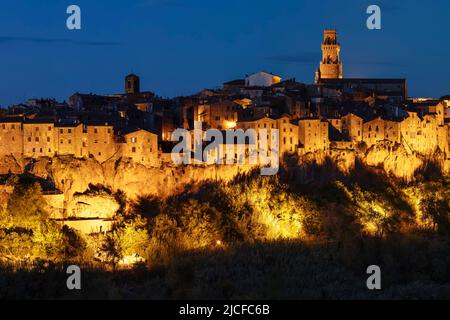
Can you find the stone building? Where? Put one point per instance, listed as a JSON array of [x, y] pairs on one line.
[[379, 129], [288, 133], [11, 136], [219, 115], [100, 142], [141, 146], [313, 135], [352, 127], [261, 79], [38, 138], [264, 123], [71, 139]]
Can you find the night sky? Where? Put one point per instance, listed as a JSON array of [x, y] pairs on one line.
[[179, 47]]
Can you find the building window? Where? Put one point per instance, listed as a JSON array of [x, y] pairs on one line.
[[70, 141], [48, 139], [134, 140], [95, 130], [61, 142], [40, 150], [61, 130], [34, 150], [109, 130], [99, 153], [13, 126], [29, 139], [69, 130], [36, 139], [37, 128], [4, 127], [13, 139], [49, 128], [133, 149]]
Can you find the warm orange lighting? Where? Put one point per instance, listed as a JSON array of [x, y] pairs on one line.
[[230, 124]]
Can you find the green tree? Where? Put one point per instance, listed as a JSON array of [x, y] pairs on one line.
[[437, 210], [26, 206]]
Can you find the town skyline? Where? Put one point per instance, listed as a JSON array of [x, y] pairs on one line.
[[226, 150], [90, 60]]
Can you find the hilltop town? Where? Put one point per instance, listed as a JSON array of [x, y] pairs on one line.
[[94, 179], [334, 113]]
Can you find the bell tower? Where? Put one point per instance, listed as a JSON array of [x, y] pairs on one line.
[[132, 84], [331, 65]]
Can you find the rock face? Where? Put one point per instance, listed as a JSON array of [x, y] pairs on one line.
[[74, 176], [395, 160], [9, 164], [92, 206]]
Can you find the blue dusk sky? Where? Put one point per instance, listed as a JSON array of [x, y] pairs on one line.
[[179, 47]]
